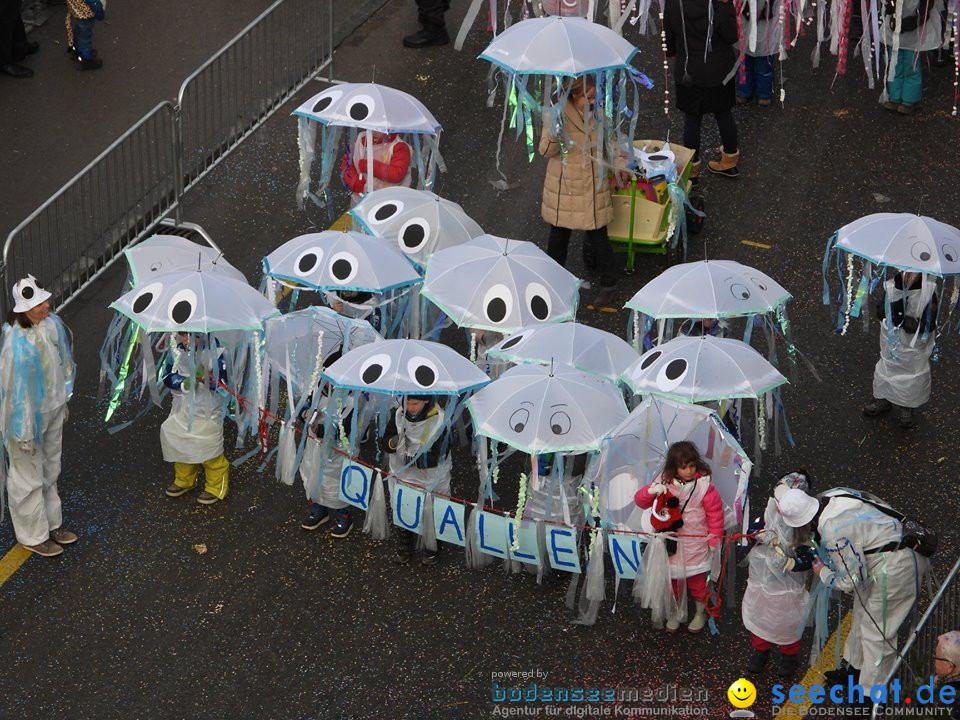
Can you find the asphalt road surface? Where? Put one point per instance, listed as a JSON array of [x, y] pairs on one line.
[[275, 622]]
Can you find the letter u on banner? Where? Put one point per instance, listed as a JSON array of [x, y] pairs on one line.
[[355, 484], [408, 508], [448, 521]]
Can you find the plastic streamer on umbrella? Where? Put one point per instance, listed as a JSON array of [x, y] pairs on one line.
[[425, 149]]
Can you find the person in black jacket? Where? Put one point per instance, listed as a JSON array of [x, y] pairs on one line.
[[701, 37]]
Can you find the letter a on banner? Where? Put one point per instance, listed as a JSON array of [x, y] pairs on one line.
[[408, 508], [355, 484], [448, 521]]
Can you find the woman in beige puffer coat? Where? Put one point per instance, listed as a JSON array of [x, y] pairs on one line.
[[576, 192]]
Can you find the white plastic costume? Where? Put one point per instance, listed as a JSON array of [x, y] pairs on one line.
[[414, 438], [902, 374], [36, 382], [883, 584], [193, 433], [773, 604], [321, 463]]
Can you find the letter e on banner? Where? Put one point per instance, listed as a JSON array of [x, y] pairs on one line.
[[448, 521], [562, 549], [355, 484], [408, 508]]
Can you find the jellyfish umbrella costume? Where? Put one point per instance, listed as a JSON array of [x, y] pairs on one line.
[[583, 347], [139, 344], [171, 253], [409, 368], [874, 251], [339, 261], [543, 411], [420, 223], [706, 370], [296, 348], [501, 285], [535, 54], [363, 107], [715, 290], [632, 456]]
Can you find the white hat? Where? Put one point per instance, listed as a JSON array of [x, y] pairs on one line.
[[27, 294], [797, 508]]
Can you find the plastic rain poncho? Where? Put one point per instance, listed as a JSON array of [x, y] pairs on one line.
[[884, 584]]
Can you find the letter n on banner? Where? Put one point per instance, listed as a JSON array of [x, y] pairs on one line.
[[448, 521], [626, 551], [408, 507], [355, 483], [491, 533]]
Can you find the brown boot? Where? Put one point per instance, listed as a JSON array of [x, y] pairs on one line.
[[727, 165]]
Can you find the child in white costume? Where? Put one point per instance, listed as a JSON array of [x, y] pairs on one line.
[[773, 607], [36, 382], [193, 433]]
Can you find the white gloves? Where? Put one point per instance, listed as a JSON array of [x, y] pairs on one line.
[[657, 489]]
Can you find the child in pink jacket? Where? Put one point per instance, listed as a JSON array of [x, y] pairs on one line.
[[687, 477]]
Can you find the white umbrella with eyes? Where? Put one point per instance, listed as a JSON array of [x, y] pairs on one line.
[[419, 222], [702, 369], [171, 253], [195, 301], [583, 347], [905, 241], [333, 260], [493, 283], [539, 409], [406, 367], [709, 289]]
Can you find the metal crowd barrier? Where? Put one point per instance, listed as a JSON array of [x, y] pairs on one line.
[[113, 202], [914, 667], [236, 90], [123, 195]]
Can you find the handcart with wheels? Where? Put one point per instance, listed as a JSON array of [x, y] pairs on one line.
[[641, 219]]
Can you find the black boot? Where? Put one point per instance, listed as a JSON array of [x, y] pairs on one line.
[[426, 38], [788, 665], [758, 661]]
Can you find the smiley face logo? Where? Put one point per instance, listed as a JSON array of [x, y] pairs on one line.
[[742, 694]]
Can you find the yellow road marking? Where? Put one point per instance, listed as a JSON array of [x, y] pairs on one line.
[[825, 662], [14, 558], [344, 222], [751, 243]]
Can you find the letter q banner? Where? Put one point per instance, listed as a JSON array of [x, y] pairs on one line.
[[355, 482]]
